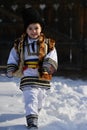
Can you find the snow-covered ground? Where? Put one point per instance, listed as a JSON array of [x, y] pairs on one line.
[[65, 108]]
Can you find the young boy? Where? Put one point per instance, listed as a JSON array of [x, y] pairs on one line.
[[36, 57]]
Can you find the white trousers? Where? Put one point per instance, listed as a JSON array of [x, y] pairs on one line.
[[34, 100]]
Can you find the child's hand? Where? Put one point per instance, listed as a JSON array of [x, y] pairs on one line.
[[10, 74], [47, 76]]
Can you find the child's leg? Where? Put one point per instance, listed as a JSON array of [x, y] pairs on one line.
[[41, 98], [31, 106]]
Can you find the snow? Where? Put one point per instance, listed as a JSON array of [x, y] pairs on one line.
[[65, 107]]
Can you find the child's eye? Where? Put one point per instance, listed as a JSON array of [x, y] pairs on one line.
[[30, 28], [36, 28]]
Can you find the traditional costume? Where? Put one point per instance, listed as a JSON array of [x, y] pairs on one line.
[[35, 60]]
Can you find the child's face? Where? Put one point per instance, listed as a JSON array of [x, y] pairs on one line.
[[34, 30]]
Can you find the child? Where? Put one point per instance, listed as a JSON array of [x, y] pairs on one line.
[[35, 57]]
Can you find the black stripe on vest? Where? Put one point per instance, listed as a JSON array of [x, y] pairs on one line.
[[35, 82]]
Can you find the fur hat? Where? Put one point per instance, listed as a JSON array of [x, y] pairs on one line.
[[30, 15]]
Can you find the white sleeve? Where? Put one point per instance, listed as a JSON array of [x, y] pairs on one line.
[[52, 55], [50, 63], [13, 57]]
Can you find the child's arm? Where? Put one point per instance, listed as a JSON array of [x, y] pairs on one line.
[[51, 61], [50, 64], [12, 63]]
